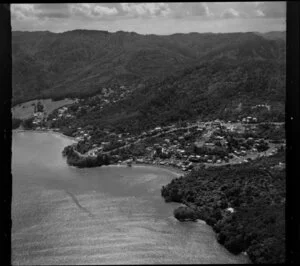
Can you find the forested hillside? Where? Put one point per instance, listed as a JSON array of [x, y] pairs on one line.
[[255, 193], [81, 62], [222, 88]]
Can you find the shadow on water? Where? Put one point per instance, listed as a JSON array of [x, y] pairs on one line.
[[75, 200]]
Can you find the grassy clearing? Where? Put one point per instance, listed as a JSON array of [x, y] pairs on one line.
[[26, 110]]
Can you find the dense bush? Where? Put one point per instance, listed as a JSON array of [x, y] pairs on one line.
[[16, 123], [74, 159], [270, 131], [218, 151], [255, 191], [39, 107], [27, 123], [262, 147], [212, 90], [184, 213], [83, 146], [68, 131]]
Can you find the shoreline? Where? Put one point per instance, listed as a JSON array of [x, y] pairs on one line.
[[45, 131], [177, 172], [172, 169]]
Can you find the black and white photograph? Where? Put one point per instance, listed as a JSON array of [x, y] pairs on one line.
[[148, 133]]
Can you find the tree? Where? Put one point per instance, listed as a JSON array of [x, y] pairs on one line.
[[27, 123], [262, 147], [39, 107], [184, 213], [16, 123]]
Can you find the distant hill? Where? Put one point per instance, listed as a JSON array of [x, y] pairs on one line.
[[81, 62], [273, 35]]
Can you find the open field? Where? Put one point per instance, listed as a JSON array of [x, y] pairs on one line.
[[26, 110]]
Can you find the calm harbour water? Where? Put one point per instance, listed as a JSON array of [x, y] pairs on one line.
[[104, 215]]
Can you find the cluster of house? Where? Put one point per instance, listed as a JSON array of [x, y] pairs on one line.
[[62, 113], [175, 153], [97, 102], [249, 119], [81, 134], [113, 95], [38, 118], [262, 106], [177, 145], [173, 150]]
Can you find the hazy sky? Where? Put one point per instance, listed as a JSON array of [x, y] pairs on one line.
[[152, 18]]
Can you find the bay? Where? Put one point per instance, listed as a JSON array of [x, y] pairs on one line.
[[103, 215]]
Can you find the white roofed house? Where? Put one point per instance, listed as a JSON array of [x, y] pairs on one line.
[[157, 129], [209, 144]]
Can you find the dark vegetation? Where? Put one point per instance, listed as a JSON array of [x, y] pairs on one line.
[[16, 123], [270, 131], [27, 123], [185, 214], [215, 89], [80, 63], [74, 159], [223, 89], [39, 107], [255, 191], [74, 156]]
